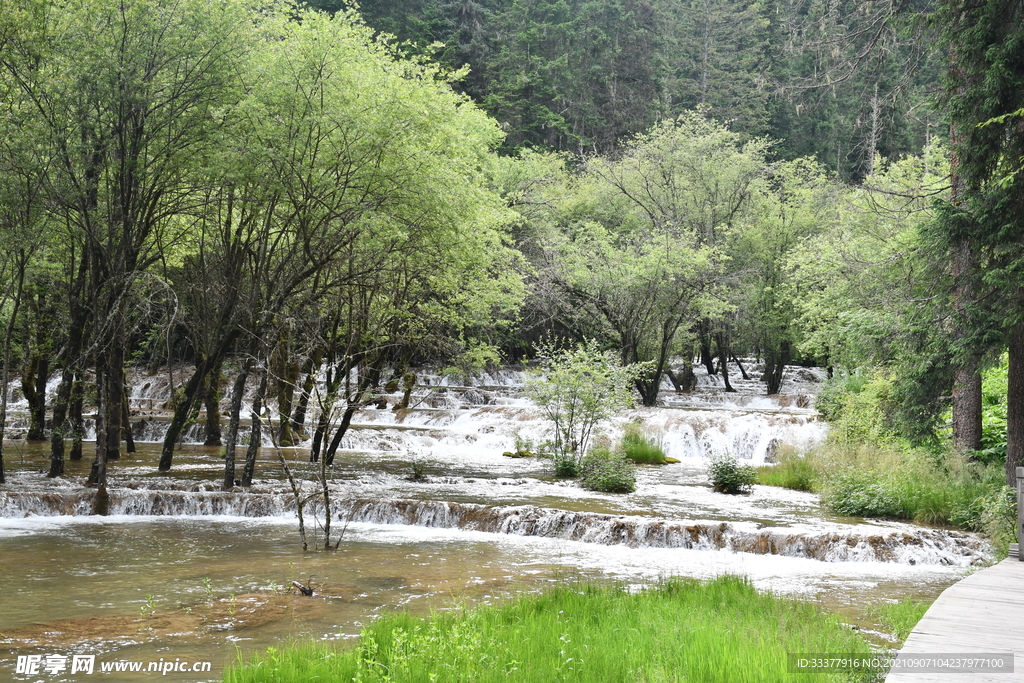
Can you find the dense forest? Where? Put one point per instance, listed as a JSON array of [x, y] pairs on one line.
[[271, 194]]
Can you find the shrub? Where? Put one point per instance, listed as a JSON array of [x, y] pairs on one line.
[[861, 494], [607, 471], [577, 388], [727, 475], [566, 465], [640, 448], [993, 413]]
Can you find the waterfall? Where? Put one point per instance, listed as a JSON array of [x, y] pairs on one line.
[[860, 544]]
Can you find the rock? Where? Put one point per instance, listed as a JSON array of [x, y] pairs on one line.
[[518, 454], [671, 460]]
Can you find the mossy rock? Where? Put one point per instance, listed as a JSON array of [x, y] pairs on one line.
[[669, 460], [518, 454]]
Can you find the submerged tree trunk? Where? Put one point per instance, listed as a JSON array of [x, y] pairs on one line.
[[1015, 405], [77, 423], [685, 381], [743, 372], [7, 360], [115, 394], [256, 435], [211, 401], [723, 359], [310, 370], [774, 367], [706, 359], [286, 375], [98, 476], [33, 385], [184, 406], [237, 392], [126, 423], [408, 384]]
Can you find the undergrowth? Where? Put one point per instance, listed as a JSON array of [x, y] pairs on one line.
[[939, 488], [681, 630], [608, 471]]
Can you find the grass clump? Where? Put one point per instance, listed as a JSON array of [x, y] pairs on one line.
[[608, 471], [792, 471], [901, 617], [727, 475], [641, 448], [723, 631]]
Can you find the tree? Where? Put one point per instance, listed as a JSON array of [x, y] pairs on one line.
[[984, 222], [577, 388], [123, 92], [871, 291], [641, 248]]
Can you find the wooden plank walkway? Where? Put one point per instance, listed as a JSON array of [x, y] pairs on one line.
[[983, 613]]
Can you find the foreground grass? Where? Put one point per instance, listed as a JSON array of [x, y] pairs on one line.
[[681, 630], [900, 618], [888, 481]]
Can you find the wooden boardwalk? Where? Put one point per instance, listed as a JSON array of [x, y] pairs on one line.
[[983, 613]]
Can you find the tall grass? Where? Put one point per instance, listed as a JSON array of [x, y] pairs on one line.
[[900, 618], [640, 447], [792, 471], [865, 480], [682, 630]]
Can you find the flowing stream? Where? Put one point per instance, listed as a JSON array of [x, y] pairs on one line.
[[181, 570]]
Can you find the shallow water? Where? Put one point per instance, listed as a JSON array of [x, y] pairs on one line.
[[209, 576]]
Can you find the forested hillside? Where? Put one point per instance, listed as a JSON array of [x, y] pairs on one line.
[[839, 81]]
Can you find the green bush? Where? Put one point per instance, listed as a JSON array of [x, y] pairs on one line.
[[833, 394], [723, 631], [727, 475], [607, 471], [639, 447], [862, 494], [993, 413], [566, 465]]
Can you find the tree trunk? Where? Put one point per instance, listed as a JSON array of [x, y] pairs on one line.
[[115, 393], [408, 384], [723, 360], [237, 392], [346, 420], [33, 385], [1015, 405], [967, 375], [311, 368], [183, 407], [211, 400], [286, 374], [775, 366], [7, 360], [98, 476], [256, 435], [126, 422], [706, 359], [60, 410], [77, 423], [743, 372]]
